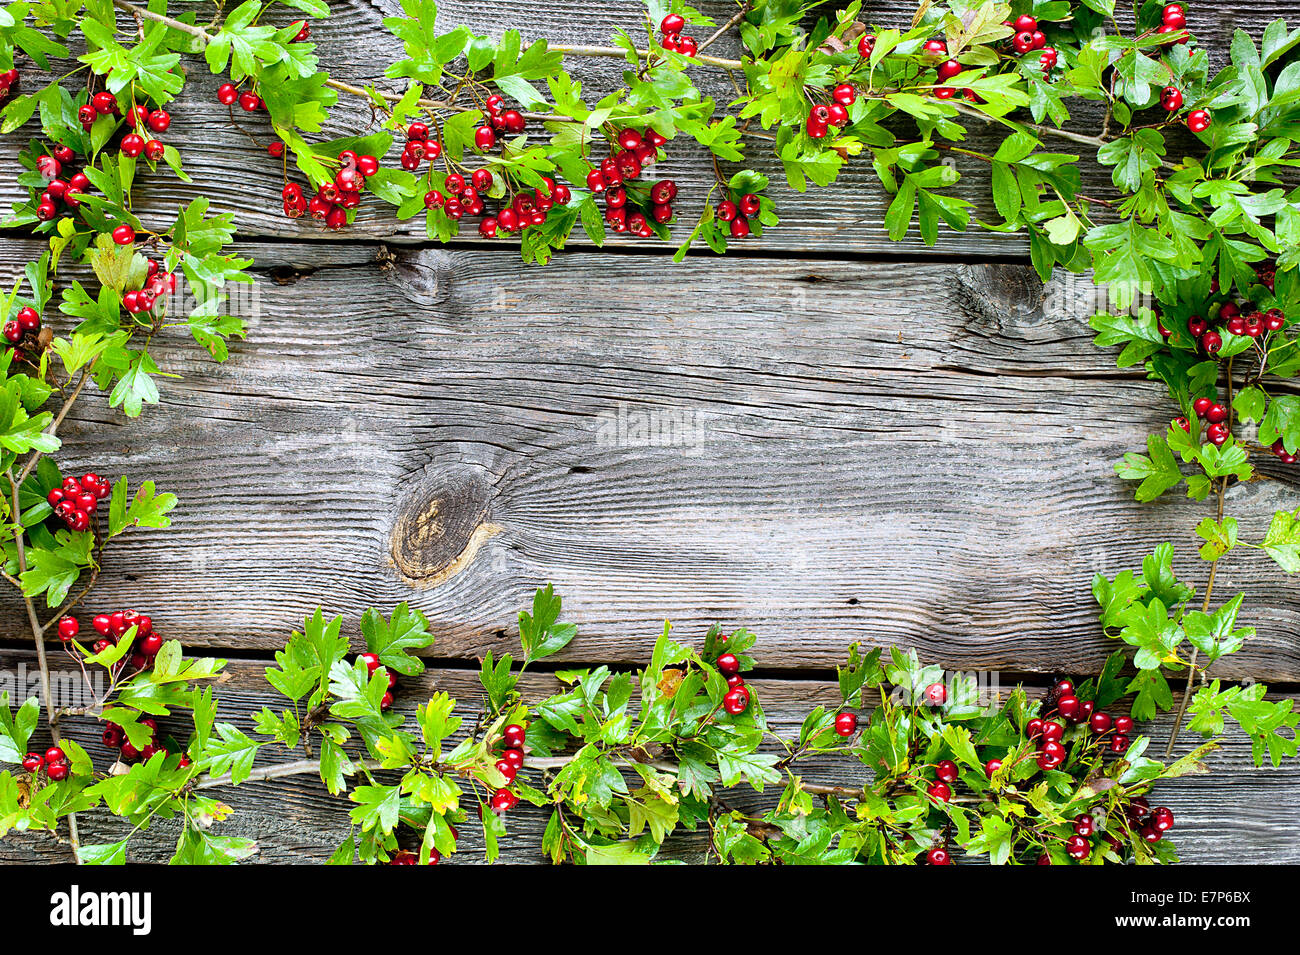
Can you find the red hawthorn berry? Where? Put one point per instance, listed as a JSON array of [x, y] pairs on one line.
[[936, 694], [1025, 23], [1198, 120], [104, 103], [514, 756], [69, 627], [728, 664], [992, 766], [1172, 16], [249, 101], [32, 762], [736, 701], [507, 770], [1068, 707], [1171, 98], [1119, 744], [512, 736], [113, 736], [939, 791], [87, 114], [845, 94], [948, 69], [1078, 847], [672, 23], [57, 771], [846, 724], [866, 43], [935, 47], [1099, 722], [54, 755], [227, 94], [938, 856], [946, 770], [1148, 832], [101, 622], [503, 800], [1034, 728], [484, 138], [687, 46], [124, 235], [1162, 819], [739, 228], [1211, 341], [1023, 41], [1123, 724]]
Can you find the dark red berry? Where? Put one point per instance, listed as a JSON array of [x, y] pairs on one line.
[[846, 724]]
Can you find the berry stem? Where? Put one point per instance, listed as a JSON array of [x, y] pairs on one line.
[[717, 34]]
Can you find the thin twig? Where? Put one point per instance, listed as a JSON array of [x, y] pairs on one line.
[[717, 34]]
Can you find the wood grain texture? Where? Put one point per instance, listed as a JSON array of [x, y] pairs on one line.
[[917, 455], [1236, 813]]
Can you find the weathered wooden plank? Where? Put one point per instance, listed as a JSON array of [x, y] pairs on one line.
[[914, 455], [354, 47], [1235, 813]]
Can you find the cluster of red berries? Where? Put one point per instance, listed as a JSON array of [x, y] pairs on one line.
[[823, 116], [671, 38], [419, 146], [115, 738], [1028, 38], [1235, 320], [1214, 414], [1174, 20], [59, 190], [511, 761], [148, 122], [500, 120], [21, 332], [1049, 732], [75, 501], [738, 213], [636, 150], [157, 285], [8, 84], [111, 627], [333, 199], [53, 760], [736, 700], [228, 94], [1151, 824], [372, 663]]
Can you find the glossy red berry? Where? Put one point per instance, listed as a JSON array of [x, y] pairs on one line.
[[104, 103], [938, 856], [124, 235], [1077, 847], [1198, 120], [845, 94], [371, 660], [866, 43], [846, 724], [32, 762], [1068, 707], [57, 771], [1171, 98], [1123, 724], [484, 138], [1119, 744], [249, 101], [1084, 824], [939, 791], [946, 770], [1100, 722], [1162, 818], [936, 694], [728, 664], [69, 627], [503, 800], [736, 701], [992, 766], [1173, 16], [513, 736]]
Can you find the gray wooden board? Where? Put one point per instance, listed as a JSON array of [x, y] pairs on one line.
[[845, 218], [917, 454], [1236, 813]]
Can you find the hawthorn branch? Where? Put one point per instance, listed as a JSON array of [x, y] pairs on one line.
[[300, 767], [38, 634]]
